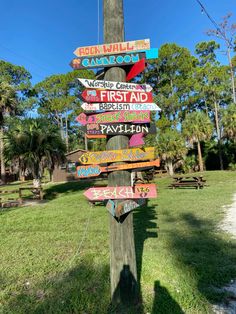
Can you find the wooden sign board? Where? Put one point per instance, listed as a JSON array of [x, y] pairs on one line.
[[118, 209], [113, 48], [132, 154], [97, 95], [113, 117], [99, 84], [120, 106], [106, 61], [96, 170], [120, 128], [95, 136], [121, 192]]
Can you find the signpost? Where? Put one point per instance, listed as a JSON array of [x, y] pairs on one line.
[[96, 170], [120, 106], [110, 96], [121, 192], [107, 61], [115, 117], [113, 48], [119, 128], [137, 68], [118, 209], [115, 85], [132, 154]]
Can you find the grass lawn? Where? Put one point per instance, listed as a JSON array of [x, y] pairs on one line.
[[54, 257]]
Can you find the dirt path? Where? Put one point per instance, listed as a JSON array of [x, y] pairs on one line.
[[229, 226]]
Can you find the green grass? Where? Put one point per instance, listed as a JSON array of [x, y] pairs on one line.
[[54, 257]]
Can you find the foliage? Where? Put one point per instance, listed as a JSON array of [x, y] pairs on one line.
[[229, 122], [34, 144], [171, 147]]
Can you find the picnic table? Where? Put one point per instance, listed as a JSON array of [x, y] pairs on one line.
[[188, 181]]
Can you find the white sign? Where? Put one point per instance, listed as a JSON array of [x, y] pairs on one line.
[[120, 106], [99, 84]]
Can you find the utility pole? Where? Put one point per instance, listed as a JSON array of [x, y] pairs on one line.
[[123, 271]]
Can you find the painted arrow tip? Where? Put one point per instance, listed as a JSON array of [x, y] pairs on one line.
[[136, 140]]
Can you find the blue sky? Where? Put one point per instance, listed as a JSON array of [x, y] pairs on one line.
[[42, 35]]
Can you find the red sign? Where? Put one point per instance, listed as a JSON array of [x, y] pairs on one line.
[[96, 95], [137, 68], [121, 192]]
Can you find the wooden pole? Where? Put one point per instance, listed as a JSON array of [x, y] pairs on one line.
[[123, 272]]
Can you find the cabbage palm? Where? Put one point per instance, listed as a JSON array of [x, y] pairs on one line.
[[229, 122], [35, 145], [197, 127], [171, 148]]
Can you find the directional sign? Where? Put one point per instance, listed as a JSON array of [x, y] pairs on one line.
[[119, 128], [120, 106], [112, 117], [137, 68], [118, 209], [113, 48], [133, 154], [95, 170], [121, 192], [99, 84], [107, 61], [137, 140], [110, 96], [95, 136]]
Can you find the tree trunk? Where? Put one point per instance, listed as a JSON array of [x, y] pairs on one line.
[[218, 135], [3, 168], [232, 75], [200, 161], [169, 165], [123, 271], [66, 133]]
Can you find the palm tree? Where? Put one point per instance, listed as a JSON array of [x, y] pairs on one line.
[[171, 148], [8, 101], [35, 145], [197, 127], [229, 122]]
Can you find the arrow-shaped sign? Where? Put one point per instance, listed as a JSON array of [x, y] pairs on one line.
[[137, 140], [95, 170], [113, 48], [120, 106], [119, 208], [119, 128], [113, 96], [132, 154], [113, 117], [121, 192], [99, 84], [137, 68], [95, 136]]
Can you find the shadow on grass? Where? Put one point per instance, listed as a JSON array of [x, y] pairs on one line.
[[84, 289], [66, 188], [210, 258]]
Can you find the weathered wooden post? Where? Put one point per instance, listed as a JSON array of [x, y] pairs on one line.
[[123, 272]]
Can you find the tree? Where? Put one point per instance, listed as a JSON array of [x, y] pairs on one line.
[[171, 148], [197, 127], [34, 144], [15, 92], [229, 122], [58, 99], [226, 32]]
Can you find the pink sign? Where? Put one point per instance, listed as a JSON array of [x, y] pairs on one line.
[[136, 140], [115, 117], [121, 192]]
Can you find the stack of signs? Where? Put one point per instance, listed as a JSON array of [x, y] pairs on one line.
[[124, 110]]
